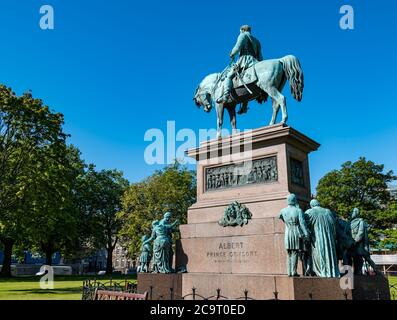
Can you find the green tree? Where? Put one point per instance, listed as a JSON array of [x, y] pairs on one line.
[[54, 216], [171, 189], [27, 127], [99, 201], [362, 184], [384, 226]]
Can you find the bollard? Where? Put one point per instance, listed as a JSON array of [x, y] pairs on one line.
[[218, 293]]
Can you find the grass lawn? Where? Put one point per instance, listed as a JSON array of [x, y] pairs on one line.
[[65, 287], [393, 291]]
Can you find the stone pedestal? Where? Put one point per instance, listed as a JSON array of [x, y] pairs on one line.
[[213, 286], [161, 286], [263, 287], [259, 169]]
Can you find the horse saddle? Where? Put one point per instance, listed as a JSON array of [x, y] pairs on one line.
[[248, 76]]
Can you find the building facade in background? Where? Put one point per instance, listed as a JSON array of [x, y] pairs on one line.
[[121, 262]]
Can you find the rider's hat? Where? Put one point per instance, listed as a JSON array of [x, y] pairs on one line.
[[245, 27]]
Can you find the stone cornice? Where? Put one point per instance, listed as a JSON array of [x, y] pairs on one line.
[[253, 139]]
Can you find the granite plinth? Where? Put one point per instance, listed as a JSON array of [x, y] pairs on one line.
[[200, 286], [257, 247], [264, 200], [160, 286]]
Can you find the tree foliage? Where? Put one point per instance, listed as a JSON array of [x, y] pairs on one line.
[[27, 129], [49, 199], [171, 189], [362, 184], [99, 201], [54, 216]]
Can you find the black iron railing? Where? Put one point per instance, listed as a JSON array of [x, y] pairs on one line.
[[90, 285], [194, 295]]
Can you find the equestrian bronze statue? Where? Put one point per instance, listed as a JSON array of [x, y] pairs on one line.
[[250, 78]]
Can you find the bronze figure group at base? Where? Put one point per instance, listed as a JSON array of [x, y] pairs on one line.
[[162, 247], [319, 238]]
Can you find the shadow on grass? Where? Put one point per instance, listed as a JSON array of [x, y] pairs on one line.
[[70, 278], [63, 291]]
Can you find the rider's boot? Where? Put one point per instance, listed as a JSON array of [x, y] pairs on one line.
[[226, 91], [243, 108]]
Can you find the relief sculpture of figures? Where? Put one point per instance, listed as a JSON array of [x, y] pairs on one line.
[[251, 78], [295, 235], [236, 214], [322, 225], [162, 249], [359, 251], [258, 171]]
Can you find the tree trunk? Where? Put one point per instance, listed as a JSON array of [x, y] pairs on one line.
[[48, 258], [6, 269], [109, 260], [49, 251]]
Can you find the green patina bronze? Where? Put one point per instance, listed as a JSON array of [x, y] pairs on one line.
[[322, 226], [331, 239], [236, 214], [250, 52], [251, 78], [344, 241], [162, 248], [359, 251], [296, 233], [146, 255]]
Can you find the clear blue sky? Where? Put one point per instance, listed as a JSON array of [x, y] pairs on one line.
[[118, 68]]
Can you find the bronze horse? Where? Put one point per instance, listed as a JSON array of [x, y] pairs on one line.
[[271, 78]]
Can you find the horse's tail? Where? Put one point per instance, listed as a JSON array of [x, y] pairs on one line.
[[294, 74]]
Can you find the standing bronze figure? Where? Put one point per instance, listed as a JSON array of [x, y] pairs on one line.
[[359, 251], [295, 233]]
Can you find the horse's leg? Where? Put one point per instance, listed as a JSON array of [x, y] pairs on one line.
[[283, 105], [276, 107], [271, 79], [219, 112], [284, 109], [232, 114], [278, 98]]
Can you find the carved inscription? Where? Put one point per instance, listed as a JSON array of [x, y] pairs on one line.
[[237, 252]]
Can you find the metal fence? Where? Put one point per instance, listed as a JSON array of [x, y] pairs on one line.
[[90, 285], [193, 295]]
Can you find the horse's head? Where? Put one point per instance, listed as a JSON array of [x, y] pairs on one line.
[[203, 99], [202, 96]]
